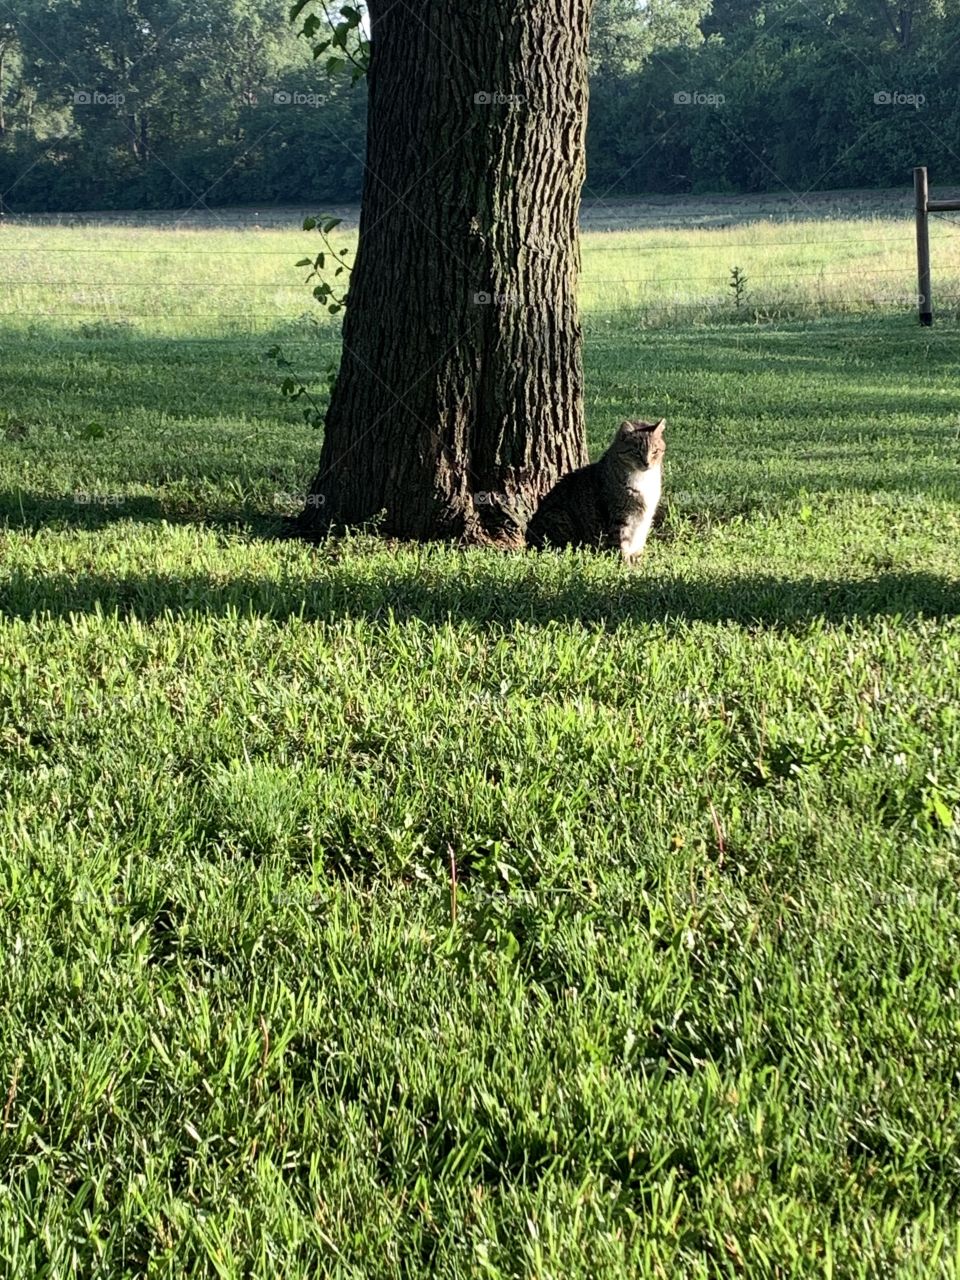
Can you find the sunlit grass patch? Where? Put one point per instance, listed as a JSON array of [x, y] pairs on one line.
[[374, 910]]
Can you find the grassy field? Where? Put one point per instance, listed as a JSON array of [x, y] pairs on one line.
[[691, 1008], [645, 263]]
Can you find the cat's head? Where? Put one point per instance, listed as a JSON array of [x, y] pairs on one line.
[[642, 442]]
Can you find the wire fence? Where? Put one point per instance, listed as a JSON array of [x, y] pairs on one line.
[[57, 287]]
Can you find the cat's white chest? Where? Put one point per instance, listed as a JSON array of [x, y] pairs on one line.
[[645, 485]]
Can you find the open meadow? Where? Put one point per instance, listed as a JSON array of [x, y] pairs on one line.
[[690, 1008]]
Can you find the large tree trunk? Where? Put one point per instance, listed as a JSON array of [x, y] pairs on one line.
[[459, 400]]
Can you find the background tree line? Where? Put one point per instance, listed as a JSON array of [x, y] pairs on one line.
[[158, 103]]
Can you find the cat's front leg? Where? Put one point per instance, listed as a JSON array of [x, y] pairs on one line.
[[633, 539], [627, 553], [618, 536]]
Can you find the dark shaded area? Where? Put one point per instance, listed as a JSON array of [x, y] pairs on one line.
[[485, 596], [186, 377], [22, 510]]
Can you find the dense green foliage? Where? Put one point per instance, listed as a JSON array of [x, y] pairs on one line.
[[696, 1015], [836, 93], [217, 104], [787, 99]]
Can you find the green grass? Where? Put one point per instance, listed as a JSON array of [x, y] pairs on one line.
[[644, 263], [695, 1012]]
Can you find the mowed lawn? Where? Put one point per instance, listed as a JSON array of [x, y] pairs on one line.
[[374, 911]]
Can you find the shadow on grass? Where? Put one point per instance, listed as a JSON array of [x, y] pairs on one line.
[[23, 511], [489, 592], [223, 374]]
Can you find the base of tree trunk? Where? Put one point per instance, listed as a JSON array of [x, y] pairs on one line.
[[500, 530]]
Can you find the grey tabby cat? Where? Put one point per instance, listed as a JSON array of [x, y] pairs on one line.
[[610, 503]]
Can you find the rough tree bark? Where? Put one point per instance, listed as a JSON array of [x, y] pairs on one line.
[[459, 399]]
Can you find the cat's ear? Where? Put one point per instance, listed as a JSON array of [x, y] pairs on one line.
[[658, 429]]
